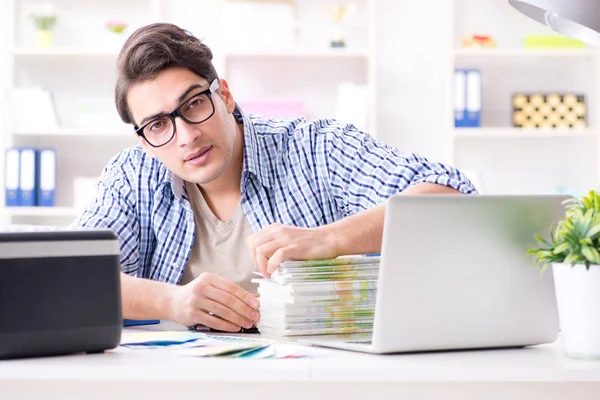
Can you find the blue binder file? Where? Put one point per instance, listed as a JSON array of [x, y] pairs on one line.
[[474, 98], [12, 193], [46, 177], [467, 100], [27, 177], [460, 94]]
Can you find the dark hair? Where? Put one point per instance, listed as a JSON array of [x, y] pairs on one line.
[[153, 49]]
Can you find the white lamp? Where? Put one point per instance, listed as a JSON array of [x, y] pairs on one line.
[[576, 18]]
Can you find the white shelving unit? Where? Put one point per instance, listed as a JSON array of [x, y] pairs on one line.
[[308, 70], [79, 71], [69, 212], [499, 133], [507, 54], [62, 52], [510, 160], [334, 53], [116, 133]]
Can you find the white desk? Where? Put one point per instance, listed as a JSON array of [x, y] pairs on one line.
[[534, 373]]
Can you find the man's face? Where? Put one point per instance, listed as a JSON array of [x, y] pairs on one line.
[[199, 153]]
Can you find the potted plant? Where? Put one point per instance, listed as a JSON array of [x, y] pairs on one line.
[[573, 251], [44, 16], [116, 29]]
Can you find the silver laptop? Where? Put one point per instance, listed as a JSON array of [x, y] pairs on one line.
[[455, 274]]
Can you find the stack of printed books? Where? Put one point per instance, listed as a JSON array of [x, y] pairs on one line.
[[319, 297]]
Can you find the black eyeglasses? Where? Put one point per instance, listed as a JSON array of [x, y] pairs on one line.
[[197, 109]]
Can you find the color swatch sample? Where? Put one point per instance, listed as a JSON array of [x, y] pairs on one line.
[[157, 339]]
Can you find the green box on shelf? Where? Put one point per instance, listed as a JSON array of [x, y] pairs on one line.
[[551, 42]]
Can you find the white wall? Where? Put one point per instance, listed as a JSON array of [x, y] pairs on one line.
[[410, 66]]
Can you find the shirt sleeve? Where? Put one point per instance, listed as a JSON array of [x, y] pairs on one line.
[[114, 208], [363, 172]]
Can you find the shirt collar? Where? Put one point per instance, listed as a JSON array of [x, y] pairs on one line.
[[177, 186], [252, 152]]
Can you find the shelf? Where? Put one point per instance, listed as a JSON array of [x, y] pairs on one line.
[[509, 53], [64, 51], [117, 132], [42, 211], [484, 133], [327, 53]]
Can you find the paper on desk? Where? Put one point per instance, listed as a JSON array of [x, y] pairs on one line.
[[232, 350], [153, 339], [292, 351], [274, 351], [264, 352], [224, 345], [241, 347]]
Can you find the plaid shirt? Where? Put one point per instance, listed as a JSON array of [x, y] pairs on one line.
[[296, 172]]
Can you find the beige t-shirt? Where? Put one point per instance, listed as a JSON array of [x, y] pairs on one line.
[[219, 246]]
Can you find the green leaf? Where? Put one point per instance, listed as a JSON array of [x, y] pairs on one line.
[[572, 259], [562, 248], [567, 224], [591, 254], [586, 221], [546, 254], [594, 231], [542, 241], [576, 238]]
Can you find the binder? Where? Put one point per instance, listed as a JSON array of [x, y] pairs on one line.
[[468, 98], [46, 177], [460, 95], [27, 177], [473, 89], [12, 190]]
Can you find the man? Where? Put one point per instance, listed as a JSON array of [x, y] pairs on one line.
[[208, 182]]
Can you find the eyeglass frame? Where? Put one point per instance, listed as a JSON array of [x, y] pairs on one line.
[[214, 86]]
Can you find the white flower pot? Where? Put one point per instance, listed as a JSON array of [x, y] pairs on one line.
[[578, 298]]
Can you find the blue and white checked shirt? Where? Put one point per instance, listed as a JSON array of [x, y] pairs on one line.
[[296, 172]]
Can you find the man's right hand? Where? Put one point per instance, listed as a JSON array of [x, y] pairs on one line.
[[231, 306]]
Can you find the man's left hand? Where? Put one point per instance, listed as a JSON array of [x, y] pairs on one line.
[[277, 243]]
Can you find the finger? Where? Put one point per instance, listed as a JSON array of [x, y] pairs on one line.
[[281, 255], [231, 302], [263, 253], [235, 290], [227, 314], [264, 235], [217, 323], [257, 239]]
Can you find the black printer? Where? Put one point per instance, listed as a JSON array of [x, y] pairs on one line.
[[60, 292]]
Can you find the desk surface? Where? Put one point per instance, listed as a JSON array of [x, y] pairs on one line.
[[534, 365]]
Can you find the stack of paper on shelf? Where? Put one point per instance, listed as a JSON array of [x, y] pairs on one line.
[[319, 297]]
